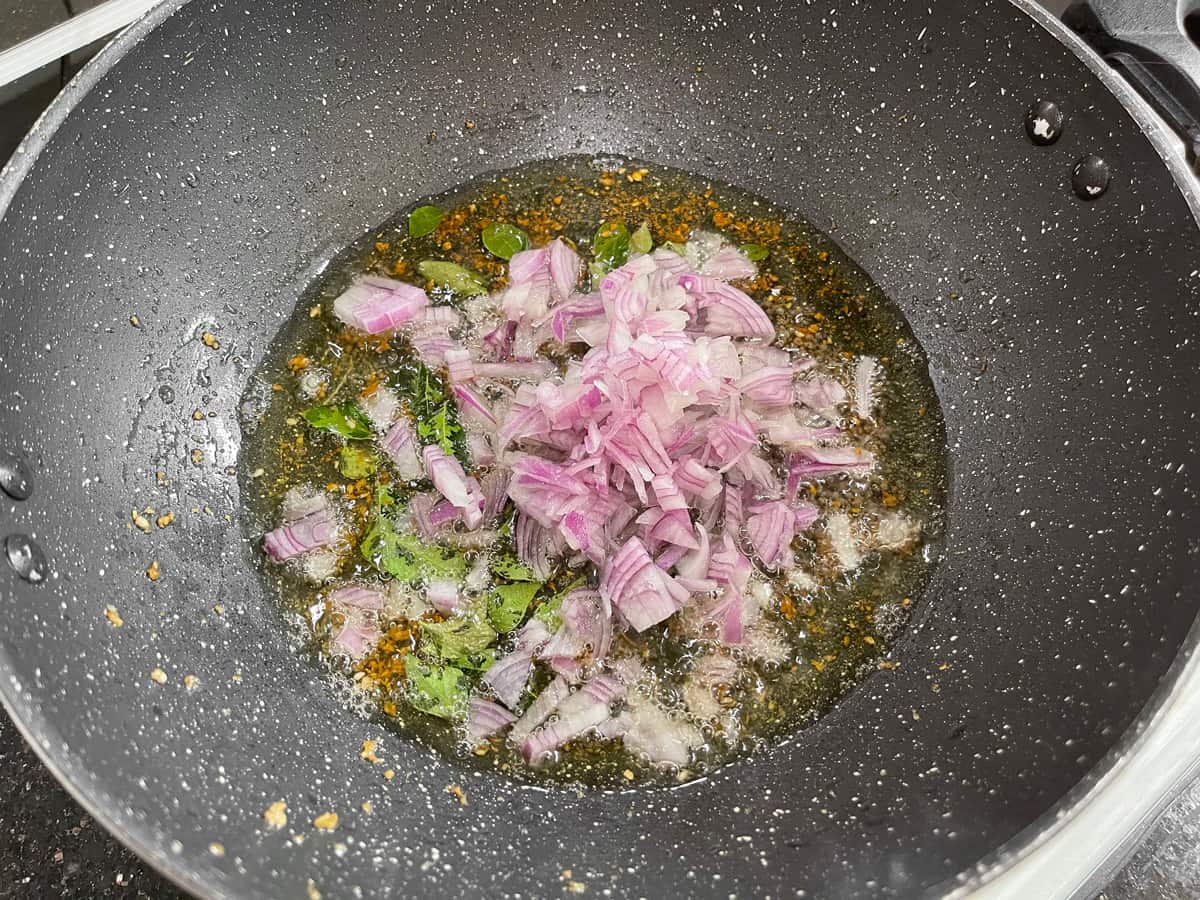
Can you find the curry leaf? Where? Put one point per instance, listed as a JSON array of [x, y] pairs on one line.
[[508, 607], [508, 566], [437, 690], [345, 419], [433, 409], [754, 252], [675, 247], [423, 220], [547, 611], [610, 248], [439, 429], [479, 662], [453, 277], [504, 240], [640, 241], [407, 557], [457, 637]]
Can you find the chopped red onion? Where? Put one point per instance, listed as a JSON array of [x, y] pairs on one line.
[[508, 675], [727, 311], [821, 395], [448, 477], [316, 529], [479, 448], [459, 366], [358, 634], [472, 407], [485, 718], [581, 711], [420, 508], [540, 709], [639, 590], [770, 528], [356, 596], [565, 265], [768, 386], [374, 304], [808, 462], [431, 349], [359, 606], [728, 264], [401, 449], [586, 628], [442, 595]]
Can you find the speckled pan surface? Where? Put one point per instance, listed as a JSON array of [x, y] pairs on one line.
[[233, 147]]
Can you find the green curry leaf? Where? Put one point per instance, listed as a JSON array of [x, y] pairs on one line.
[[508, 566], [508, 606], [479, 662], [504, 240], [345, 419], [754, 252], [453, 277], [640, 241], [439, 428], [407, 557], [610, 248], [434, 410], [437, 690], [459, 636], [547, 613], [424, 220]]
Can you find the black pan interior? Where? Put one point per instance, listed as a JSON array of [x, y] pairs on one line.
[[203, 179]]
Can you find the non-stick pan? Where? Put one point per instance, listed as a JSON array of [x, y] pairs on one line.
[[194, 178]]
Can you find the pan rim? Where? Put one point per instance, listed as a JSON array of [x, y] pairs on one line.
[[1035, 845], [33, 728], [1040, 847]]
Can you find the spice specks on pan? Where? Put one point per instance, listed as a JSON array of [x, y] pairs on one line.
[[275, 815]]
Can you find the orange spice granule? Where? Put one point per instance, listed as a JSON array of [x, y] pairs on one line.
[[385, 664], [326, 821]]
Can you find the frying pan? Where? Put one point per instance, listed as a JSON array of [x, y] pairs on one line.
[[194, 178]]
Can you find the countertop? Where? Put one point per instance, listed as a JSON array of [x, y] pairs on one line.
[[49, 847]]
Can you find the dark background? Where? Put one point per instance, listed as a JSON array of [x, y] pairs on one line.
[[49, 847]]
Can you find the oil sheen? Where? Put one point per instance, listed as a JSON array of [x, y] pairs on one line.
[[835, 626]]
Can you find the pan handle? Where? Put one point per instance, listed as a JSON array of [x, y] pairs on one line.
[[1148, 43], [69, 36]]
